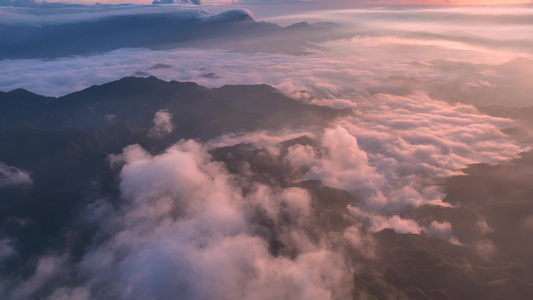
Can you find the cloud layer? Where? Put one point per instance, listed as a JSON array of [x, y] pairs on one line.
[[386, 56]]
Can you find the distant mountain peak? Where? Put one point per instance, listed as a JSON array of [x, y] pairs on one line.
[[232, 15], [21, 92], [197, 2], [299, 25]]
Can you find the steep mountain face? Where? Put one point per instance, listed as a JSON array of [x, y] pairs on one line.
[[19, 105]]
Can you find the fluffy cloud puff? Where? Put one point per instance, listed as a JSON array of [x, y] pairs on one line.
[[11, 176], [186, 229], [162, 124]]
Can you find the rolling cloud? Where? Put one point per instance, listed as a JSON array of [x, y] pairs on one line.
[[185, 221]]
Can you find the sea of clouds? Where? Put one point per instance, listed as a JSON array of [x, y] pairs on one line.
[[187, 230]]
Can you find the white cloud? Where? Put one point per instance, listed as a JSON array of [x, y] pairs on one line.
[[6, 249], [187, 229], [12, 176], [393, 153], [441, 230], [377, 222], [395, 149], [47, 269], [485, 248], [162, 124]]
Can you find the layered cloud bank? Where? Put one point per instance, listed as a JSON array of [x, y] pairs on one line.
[[459, 61]]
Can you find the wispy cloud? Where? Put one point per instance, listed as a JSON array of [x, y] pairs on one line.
[[162, 124], [12, 176]]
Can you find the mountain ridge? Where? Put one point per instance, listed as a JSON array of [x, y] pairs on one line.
[[158, 31], [136, 100]]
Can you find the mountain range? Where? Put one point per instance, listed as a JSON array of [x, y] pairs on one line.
[[64, 143], [233, 30]]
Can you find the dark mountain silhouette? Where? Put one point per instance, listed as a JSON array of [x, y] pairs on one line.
[[198, 112], [235, 30]]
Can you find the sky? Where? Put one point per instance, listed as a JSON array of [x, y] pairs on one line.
[[321, 3]]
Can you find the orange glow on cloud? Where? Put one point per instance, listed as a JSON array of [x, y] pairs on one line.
[[460, 2]]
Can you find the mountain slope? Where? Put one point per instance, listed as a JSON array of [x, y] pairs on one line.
[[157, 30]]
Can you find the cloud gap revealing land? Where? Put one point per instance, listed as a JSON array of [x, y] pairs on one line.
[[207, 150]]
